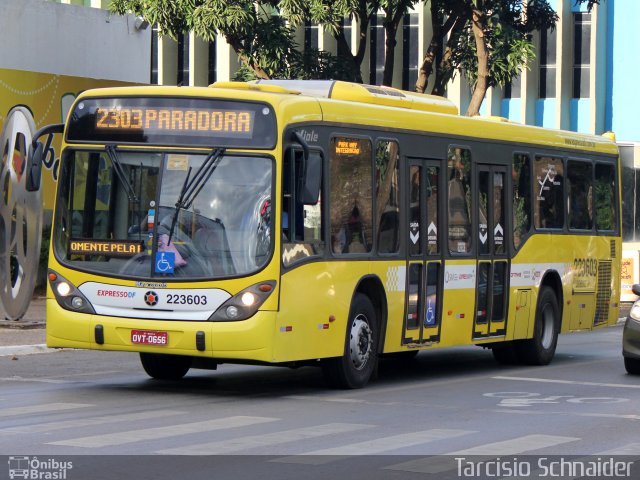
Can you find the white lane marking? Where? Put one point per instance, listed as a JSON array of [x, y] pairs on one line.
[[155, 433], [337, 399], [487, 451], [622, 416], [567, 382], [372, 447], [630, 449], [92, 421], [42, 408], [35, 380], [269, 439]]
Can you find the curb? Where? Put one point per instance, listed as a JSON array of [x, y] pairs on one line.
[[25, 350], [21, 324]]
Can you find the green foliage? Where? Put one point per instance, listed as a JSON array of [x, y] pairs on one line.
[[262, 33], [507, 35]]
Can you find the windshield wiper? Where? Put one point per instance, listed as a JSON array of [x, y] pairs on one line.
[[192, 186], [117, 167]]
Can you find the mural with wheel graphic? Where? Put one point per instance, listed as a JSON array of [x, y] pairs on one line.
[[20, 216], [29, 100]]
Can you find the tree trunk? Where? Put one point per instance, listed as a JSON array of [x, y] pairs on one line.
[[444, 74], [236, 44], [344, 53], [390, 30], [431, 56], [480, 89], [363, 31], [427, 64]]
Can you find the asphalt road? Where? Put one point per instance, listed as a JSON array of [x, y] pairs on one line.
[[452, 403]]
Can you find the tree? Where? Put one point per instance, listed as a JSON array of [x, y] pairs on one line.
[[394, 11], [256, 31], [488, 41], [331, 15]]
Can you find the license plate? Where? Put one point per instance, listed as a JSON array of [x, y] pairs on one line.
[[147, 337]]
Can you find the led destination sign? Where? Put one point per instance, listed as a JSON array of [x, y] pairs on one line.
[[173, 122], [111, 248], [176, 120]]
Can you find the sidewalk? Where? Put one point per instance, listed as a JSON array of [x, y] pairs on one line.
[[29, 331]]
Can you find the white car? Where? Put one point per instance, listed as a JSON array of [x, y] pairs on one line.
[[631, 337]]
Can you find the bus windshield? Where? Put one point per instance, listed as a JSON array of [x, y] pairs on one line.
[[116, 218]]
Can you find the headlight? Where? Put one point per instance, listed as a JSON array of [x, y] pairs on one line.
[[635, 311], [67, 295], [244, 304]]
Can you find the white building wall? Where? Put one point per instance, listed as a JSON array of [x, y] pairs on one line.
[[41, 36]]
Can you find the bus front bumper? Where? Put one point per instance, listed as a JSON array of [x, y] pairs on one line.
[[249, 340]]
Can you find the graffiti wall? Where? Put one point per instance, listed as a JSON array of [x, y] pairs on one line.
[[29, 101]]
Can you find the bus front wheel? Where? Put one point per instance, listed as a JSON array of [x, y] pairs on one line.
[[632, 365], [540, 349], [359, 362], [165, 367]]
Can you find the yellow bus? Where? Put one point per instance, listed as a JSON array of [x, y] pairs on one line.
[[323, 223]]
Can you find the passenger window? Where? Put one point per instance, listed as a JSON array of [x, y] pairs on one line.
[[548, 211], [302, 232], [579, 193], [521, 173], [387, 196], [433, 188], [459, 198], [605, 197], [350, 201]]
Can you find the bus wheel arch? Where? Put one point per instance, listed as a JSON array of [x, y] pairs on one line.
[[540, 349], [359, 362], [372, 287]]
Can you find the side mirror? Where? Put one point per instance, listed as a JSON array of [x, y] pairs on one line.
[[34, 168], [636, 289], [36, 156], [312, 181]]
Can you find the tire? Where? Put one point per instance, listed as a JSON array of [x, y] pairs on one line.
[[359, 363], [540, 349], [632, 365], [505, 354], [165, 367]]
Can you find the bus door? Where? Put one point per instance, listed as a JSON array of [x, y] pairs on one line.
[[493, 263], [423, 303]]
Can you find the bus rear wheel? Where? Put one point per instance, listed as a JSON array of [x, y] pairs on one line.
[[359, 362], [165, 367], [540, 349]]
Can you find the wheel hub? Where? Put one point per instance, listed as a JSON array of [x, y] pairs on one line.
[[360, 342]]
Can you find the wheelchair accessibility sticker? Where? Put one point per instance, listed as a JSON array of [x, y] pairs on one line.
[[165, 262]]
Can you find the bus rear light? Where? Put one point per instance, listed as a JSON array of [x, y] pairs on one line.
[[67, 295], [245, 303]]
